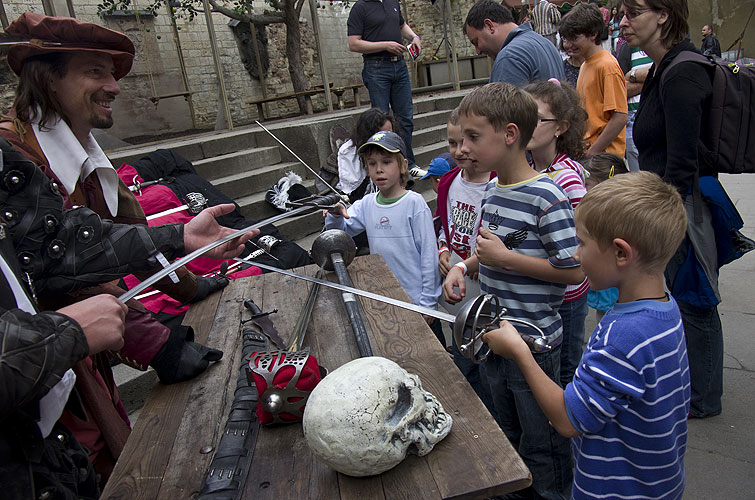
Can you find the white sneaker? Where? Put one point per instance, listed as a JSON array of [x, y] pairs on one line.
[[417, 172]]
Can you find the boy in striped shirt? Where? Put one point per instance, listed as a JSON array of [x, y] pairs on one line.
[[524, 255], [627, 407]]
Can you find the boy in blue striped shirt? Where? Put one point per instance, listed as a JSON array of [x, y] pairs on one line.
[[627, 407], [524, 255]]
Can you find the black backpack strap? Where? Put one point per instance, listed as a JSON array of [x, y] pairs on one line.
[[702, 150]]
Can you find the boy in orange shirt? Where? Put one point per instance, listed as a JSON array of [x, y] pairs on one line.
[[601, 84]]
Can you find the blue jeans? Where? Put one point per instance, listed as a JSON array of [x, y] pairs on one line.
[[389, 86], [573, 316], [544, 451], [472, 373], [633, 156], [705, 350]]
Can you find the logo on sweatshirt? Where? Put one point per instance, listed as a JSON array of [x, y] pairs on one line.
[[383, 224]]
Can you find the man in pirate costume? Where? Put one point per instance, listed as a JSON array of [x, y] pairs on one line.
[[68, 80], [46, 249]]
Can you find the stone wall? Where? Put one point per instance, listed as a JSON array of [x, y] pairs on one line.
[[157, 71]]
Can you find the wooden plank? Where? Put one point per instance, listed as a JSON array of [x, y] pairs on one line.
[[208, 404], [283, 466], [140, 468]]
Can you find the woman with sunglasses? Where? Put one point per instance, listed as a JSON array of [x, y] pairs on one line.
[[672, 115]]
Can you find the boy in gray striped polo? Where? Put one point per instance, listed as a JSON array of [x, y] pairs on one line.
[[627, 406], [524, 256]]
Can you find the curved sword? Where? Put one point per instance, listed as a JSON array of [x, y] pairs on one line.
[[318, 202]]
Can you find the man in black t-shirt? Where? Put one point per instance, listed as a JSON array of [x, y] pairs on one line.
[[377, 30]]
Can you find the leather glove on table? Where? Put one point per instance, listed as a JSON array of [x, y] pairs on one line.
[[208, 285], [181, 358]]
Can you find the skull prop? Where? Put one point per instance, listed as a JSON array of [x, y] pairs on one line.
[[363, 418]]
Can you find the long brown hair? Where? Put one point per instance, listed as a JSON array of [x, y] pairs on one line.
[[34, 94], [565, 106]]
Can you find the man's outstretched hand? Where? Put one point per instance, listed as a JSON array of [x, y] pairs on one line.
[[204, 229]]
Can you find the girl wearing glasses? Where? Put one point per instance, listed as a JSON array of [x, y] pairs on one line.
[[558, 140]]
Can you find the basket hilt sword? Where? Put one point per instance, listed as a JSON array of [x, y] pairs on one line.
[[476, 317]]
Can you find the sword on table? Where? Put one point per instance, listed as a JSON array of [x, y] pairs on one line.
[[475, 318]]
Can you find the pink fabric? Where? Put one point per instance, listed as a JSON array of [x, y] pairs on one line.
[[157, 198]]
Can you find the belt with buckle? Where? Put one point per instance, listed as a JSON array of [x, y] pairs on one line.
[[383, 58]]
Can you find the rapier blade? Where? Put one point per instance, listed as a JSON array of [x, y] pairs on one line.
[[362, 293], [133, 292]]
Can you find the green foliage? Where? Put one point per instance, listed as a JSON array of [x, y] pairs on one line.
[[187, 9]]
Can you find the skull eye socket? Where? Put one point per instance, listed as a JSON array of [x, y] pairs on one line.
[[402, 406]]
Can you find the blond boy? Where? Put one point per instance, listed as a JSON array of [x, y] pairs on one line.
[[628, 403], [524, 254]]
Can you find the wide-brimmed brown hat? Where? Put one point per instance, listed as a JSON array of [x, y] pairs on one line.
[[46, 34]]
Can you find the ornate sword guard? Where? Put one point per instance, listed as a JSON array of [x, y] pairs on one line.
[[482, 315], [195, 202], [288, 399]]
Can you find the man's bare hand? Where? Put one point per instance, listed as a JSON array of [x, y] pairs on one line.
[[454, 280], [102, 318], [204, 229], [395, 48]]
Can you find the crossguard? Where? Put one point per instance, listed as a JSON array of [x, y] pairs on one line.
[[195, 202], [482, 315]]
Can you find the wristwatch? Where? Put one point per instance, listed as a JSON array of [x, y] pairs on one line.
[[633, 76]]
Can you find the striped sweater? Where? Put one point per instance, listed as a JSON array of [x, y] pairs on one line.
[[540, 211], [629, 399]]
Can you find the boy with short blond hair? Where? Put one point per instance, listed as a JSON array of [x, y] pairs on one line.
[[628, 403], [524, 254]]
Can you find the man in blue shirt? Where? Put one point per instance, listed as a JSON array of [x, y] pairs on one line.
[[521, 55], [377, 30]]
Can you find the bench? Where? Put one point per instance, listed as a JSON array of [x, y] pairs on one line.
[[339, 91], [291, 95]]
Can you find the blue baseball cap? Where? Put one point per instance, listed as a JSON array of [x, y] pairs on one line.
[[440, 165], [389, 141]]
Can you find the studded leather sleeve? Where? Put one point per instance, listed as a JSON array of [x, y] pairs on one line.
[[66, 250], [36, 350]]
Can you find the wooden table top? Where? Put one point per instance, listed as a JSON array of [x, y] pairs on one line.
[[162, 457]]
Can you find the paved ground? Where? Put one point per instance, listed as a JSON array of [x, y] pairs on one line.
[[720, 457]]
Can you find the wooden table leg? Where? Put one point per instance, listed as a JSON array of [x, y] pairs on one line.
[[357, 100], [339, 94]]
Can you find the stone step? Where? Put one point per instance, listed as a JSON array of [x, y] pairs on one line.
[[243, 160], [250, 181], [425, 154], [430, 119], [429, 135], [193, 148]]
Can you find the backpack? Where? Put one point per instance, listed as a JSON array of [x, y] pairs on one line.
[[731, 124]]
